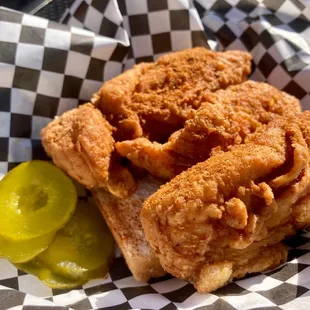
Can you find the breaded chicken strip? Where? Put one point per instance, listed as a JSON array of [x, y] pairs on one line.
[[226, 217], [80, 142], [154, 99], [225, 118]]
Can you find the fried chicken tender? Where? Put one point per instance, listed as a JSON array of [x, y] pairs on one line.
[[227, 216], [225, 118], [80, 142], [154, 99]]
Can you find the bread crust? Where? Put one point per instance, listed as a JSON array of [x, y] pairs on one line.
[[123, 218]]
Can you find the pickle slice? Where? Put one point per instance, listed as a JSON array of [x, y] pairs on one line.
[[83, 249], [24, 251], [46, 276], [36, 199]]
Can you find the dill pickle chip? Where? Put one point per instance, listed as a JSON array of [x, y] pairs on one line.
[[55, 281], [83, 249], [24, 251], [36, 199], [46, 276]]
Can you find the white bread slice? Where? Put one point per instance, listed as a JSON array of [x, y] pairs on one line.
[[123, 218]]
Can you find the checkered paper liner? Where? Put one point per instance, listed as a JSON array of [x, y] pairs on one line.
[[47, 68]]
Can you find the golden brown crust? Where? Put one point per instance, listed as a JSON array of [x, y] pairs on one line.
[[151, 156], [80, 142], [228, 209], [225, 118], [166, 92]]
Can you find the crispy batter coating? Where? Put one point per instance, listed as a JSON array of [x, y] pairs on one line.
[[226, 217], [225, 118], [80, 142], [154, 99]]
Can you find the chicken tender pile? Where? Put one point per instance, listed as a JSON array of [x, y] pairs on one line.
[[237, 152], [154, 99], [227, 216], [225, 118], [150, 100]]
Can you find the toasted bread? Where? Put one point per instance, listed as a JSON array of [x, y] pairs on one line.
[[123, 218]]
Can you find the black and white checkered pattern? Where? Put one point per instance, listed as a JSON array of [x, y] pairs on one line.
[[267, 29], [47, 68], [154, 27], [52, 10], [287, 287], [158, 27], [102, 17]]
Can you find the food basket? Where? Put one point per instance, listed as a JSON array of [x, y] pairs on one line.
[[48, 67]]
